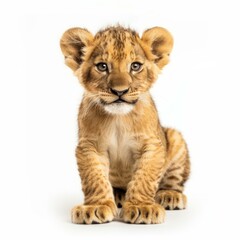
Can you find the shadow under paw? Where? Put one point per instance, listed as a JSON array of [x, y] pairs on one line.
[[119, 195]]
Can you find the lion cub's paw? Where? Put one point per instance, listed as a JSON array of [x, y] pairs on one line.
[[142, 213], [171, 200], [89, 214]]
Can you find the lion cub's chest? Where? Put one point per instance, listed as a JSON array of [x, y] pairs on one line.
[[121, 150]]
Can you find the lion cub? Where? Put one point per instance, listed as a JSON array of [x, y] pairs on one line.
[[126, 159]]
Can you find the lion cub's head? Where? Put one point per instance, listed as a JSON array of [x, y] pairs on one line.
[[116, 66]]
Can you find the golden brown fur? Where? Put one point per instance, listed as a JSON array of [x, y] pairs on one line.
[[125, 158]]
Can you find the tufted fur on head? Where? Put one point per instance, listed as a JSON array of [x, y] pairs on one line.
[[157, 43]]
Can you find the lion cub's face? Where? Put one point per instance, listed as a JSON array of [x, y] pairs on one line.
[[116, 66]]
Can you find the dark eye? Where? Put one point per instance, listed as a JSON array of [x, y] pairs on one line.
[[136, 66], [102, 67]]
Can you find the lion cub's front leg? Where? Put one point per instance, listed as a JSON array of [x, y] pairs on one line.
[[99, 205], [140, 206]]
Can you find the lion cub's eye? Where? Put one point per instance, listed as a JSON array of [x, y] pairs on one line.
[[136, 66], [102, 67]]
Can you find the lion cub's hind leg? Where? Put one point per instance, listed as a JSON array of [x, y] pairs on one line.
[[171, 199], [170, 194], [119, 195]]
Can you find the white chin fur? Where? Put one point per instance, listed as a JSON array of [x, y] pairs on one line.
[[119, 108]]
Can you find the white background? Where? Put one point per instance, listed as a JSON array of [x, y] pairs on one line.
[[198, 93]]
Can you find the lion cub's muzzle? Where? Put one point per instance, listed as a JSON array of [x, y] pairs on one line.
[[124, 96], [120, 95], [118, 102]]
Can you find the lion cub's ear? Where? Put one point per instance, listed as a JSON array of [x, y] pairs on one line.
[[72, 45], [160, 42]]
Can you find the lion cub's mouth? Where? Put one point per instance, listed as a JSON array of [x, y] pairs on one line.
[[108, 99], [119, 101], [118, 105]]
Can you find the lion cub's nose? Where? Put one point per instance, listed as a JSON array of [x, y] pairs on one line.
[[118, 93]]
